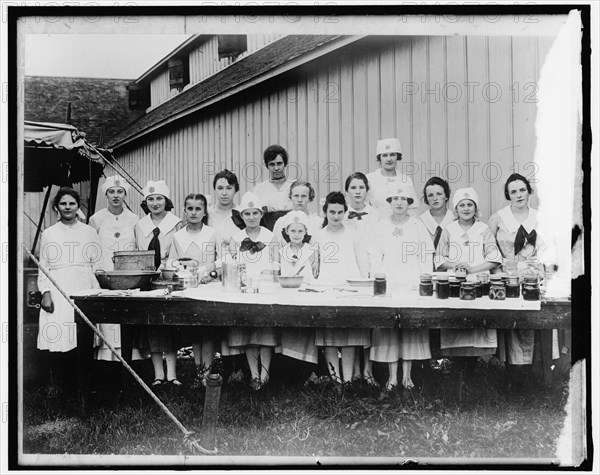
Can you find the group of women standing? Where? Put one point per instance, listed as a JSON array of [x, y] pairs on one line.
[[370, 229]]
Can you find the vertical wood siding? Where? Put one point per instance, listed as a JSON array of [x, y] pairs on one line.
[[463, 108]]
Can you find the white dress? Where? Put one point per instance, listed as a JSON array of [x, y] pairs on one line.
[[378, 191], [402, 252], [71, 254], [275, 199], [116, 233], [363, 227], [223, 224], [255, 263], [337, 253], [298, 342], [201, 246], [431, 224], [474, 246], [520, 343]]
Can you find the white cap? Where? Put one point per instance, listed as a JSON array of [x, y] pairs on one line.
[[401, 189], [465, 194], [156, 188], [296, 217], [113, 182], [389, 146], [250, 201]]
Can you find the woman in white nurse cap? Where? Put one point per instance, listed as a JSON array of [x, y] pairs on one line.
[[389, 154], [467, 242], [115, 227], [155, 232], [256, 247]]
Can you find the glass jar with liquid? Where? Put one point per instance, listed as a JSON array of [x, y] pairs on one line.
[[426, 285]]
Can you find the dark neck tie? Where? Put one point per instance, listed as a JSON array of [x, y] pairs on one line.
[[249, 245], [354, 214], [522, 237], [155, 246], [436, 237]]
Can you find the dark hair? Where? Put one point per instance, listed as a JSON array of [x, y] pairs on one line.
[[271, 153], [168, 205], [516, 177], [398, 156], [311, 190], [229, 176], [199, 197], [333, 198], [356, 176], [66, 190], [408, 199], [436, 180]]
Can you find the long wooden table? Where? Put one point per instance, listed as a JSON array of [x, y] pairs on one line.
[[210, 308]]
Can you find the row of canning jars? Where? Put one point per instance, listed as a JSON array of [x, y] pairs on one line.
[[496, 287]]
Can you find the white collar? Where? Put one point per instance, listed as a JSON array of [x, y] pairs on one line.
[[166, 225], [185, 239], [458, 233], [511, 222], [431, 224]]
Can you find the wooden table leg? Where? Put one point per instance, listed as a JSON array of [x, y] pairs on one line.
[[546, 350], [85, 355]]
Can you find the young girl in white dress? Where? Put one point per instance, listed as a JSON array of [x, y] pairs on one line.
[[362, 218], [299, 255], [256, 247], [198, 241], [402, 249], [469, 244], [338, 246], [155, 232]]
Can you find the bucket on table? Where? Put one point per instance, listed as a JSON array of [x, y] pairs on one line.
[[134, 260]]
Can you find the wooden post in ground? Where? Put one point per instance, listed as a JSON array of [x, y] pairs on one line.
[[208, 436]]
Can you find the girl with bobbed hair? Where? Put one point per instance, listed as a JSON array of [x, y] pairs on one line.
[[436, 194]]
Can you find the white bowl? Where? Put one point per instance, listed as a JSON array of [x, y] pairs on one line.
[[360, 282]]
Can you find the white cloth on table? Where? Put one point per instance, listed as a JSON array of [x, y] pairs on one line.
[[71, 254], [116, 233]]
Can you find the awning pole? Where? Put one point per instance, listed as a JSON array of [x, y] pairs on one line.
[[39, 226]]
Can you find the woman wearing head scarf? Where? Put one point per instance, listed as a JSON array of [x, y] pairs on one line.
[[467, 243], [389, 154], [115, 226], [256, 247]]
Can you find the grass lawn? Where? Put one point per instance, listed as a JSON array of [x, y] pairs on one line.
[[492, 420]]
